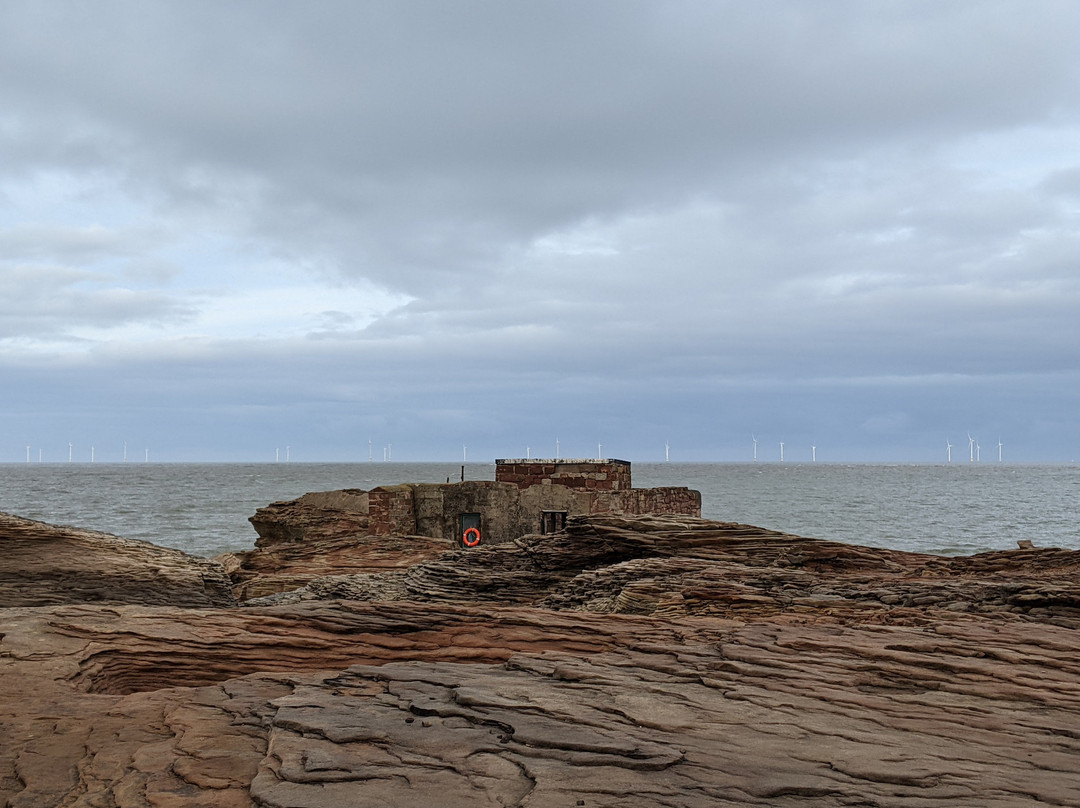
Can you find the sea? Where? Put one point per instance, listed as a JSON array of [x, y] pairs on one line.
[[945, 509]]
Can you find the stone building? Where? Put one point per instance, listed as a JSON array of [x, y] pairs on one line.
[[527, 496]]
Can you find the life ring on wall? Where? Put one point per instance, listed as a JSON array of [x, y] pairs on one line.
[[471, 537]]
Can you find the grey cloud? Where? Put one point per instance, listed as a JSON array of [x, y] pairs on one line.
[[716, 195], [47, 302], [1064, 182], [72, 245]]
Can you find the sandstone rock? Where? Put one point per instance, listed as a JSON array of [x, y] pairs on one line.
[[410, 704], [43, 565], [284, 566], [320, 534], [673, 567], [318, 515], [625, 662]]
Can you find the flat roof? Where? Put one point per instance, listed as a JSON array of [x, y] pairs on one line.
[[558, 460]]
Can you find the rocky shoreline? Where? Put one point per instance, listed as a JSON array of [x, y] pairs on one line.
[[629, 661]]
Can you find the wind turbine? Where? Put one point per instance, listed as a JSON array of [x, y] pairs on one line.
[[69, 451], [1000, 444], [755, 447], [978, 452], [781, 451], [948, 451], [556, 448], [971, 448], [667, 452], [813, 453]]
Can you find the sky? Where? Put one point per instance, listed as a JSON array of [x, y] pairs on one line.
[[420, 230]]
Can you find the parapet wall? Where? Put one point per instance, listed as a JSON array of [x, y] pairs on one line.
[[588, 475], [678, 501]]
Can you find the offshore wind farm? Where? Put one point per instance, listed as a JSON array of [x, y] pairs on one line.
[[76, 453]]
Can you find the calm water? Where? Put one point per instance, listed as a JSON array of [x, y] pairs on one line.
[[949, 509]]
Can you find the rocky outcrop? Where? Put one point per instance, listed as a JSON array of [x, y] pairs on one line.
[[317, 535], [45, 565], [626, 662], [285, 566], [674, 567], [312, 517]]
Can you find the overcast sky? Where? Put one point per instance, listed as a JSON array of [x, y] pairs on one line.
[[228, 228]]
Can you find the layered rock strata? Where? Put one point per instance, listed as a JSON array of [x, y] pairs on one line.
[[316, 535], [408, 704], [45, 565], [673, 567], [626, 662]]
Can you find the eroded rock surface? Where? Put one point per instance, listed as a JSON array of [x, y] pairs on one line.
[[678, 566], [43, 565], [318, 535], [311, 517], [625, 663], [410, 704]]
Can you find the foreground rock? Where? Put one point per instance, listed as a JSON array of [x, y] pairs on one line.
[[410, 704], [627, 662], [674, 567], [44, 565]]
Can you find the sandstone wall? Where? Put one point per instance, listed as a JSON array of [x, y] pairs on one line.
[[589, 475], [680, 501]]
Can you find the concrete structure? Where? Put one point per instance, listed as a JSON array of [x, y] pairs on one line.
[[527, 496]]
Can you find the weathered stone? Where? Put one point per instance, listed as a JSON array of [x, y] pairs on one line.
[[523, 706], [675, 566], [314, 516], [749, 668], [45, 565], [282, 566]]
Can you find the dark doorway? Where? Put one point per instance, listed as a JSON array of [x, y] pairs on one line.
[[552, 521], [469, 529]]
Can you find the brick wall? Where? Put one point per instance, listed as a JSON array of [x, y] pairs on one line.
[[391, 511], [585, 475]]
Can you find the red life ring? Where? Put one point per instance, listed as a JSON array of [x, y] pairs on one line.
[[471, 537]]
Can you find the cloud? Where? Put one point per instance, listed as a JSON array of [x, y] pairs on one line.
[[540, 211]]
